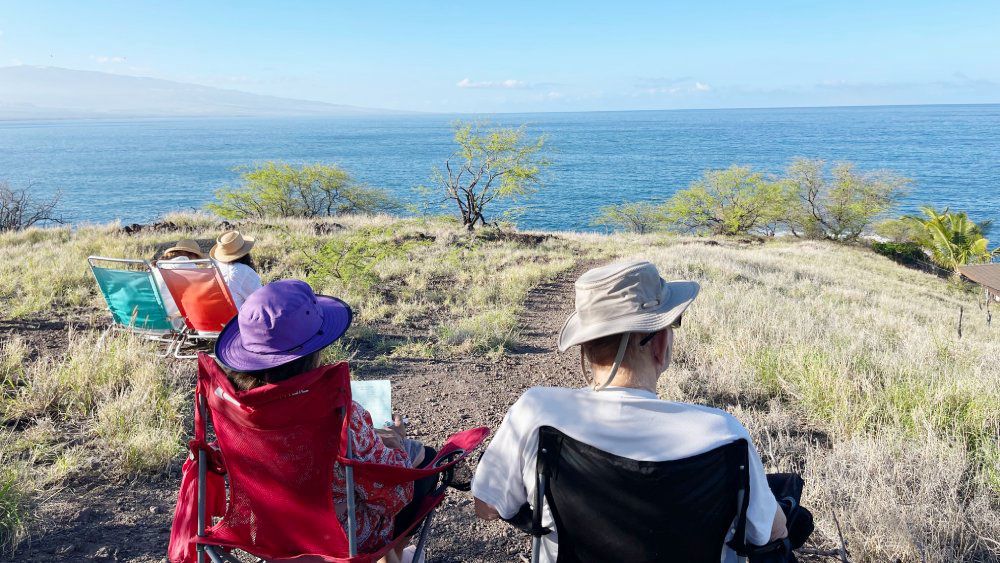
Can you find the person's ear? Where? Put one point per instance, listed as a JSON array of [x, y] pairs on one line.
[[661, 346]]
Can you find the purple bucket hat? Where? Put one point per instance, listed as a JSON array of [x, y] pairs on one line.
[[281, 322]]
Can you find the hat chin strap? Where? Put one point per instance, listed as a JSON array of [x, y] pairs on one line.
[[618, 362]]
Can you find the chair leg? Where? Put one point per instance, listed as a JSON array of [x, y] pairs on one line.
[[168, 350], [219, 558], [425, 532], [180, 344]]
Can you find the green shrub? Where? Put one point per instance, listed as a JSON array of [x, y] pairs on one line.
[[350, 260], [734, 201], [841, 205], [278, 189], [640, 218], [904, 252]]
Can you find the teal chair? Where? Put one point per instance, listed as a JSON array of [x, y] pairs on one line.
[[133, 300]]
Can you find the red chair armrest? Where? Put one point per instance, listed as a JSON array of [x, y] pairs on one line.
[[455, 449]]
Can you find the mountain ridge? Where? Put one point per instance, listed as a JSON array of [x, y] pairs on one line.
[[42, 92]]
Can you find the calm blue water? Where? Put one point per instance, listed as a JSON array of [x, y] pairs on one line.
[[135, 170]]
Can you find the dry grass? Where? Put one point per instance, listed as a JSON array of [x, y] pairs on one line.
[[864, 356], [843, 364]]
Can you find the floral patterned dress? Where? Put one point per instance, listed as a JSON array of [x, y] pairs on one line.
[[376, 506]]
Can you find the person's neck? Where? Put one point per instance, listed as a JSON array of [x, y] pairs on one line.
[[644, 380]]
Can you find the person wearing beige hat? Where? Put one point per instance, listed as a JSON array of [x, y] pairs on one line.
[[231, 254], [184, 249], [624, 323]]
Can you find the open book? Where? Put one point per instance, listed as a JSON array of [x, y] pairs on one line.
[[376, 397]]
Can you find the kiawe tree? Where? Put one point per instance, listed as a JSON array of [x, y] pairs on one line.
[[490, 164], [841, 205], [635, 217], [734, 201], [279, 189], [20, 208]]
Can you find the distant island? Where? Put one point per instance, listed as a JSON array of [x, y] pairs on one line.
[[39, 92]]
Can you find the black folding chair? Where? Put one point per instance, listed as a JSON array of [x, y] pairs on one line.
[[611, 508]]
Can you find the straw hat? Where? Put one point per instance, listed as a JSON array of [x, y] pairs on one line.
[[623, 298], [230, 246], [279, 323], [186, 245]]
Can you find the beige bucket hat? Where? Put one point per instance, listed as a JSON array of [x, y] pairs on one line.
[[231, 245], [623, 298], [187, 245]]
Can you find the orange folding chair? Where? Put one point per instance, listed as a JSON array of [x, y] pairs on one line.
[[202, 298]]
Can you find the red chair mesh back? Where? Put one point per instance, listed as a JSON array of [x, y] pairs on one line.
[[201, 296], [279, 443]]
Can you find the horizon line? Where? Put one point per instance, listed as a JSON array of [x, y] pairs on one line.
[[417, 114]]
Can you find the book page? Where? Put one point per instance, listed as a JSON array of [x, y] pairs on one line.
[[376, 397]]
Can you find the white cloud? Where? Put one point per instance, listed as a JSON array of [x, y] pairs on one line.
[[104, 59], [670, 86], [509, 84]]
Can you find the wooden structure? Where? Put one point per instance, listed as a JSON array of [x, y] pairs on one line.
[[986, 275]]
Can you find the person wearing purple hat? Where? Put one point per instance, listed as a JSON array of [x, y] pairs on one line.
[[280, 333]]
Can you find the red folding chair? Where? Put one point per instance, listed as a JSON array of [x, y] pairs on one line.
[[276, 447], [202, 298]]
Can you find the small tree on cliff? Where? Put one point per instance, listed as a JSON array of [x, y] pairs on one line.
[[490, 164], [279, 189], [634, 217], [734, 201], [841, 205]]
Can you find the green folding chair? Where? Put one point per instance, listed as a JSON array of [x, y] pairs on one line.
[[133, 300]]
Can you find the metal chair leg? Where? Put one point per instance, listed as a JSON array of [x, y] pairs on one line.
[[352, 521], [425, 532], [219, 558]]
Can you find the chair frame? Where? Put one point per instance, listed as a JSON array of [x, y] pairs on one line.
[[542, 482], [168, 336], [187, 334], [217, 556]]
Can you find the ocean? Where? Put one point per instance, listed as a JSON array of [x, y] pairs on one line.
[[138, 169]]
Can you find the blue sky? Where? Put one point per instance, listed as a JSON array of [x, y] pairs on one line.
[[532, 56]]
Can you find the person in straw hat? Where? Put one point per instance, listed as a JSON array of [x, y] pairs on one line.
[[184, 249], [624, 323], [231, 254]]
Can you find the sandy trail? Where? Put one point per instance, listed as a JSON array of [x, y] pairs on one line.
[[90, 519]]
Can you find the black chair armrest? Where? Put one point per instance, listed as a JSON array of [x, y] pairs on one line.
[[523, 521]]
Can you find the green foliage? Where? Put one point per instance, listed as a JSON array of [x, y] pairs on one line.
[[350, 260], [734, 201], [491, 164], [842, 205], [952, 239], [278, 189], [905, 252], [12, 506], [640, 217], [898, 230]]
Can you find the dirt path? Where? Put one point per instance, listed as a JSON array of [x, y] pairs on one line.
[[93, 519]]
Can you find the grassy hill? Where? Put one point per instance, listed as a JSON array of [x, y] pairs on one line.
[[844, 365]]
